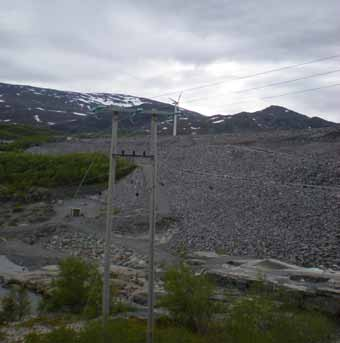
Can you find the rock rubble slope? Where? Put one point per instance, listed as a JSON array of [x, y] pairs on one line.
[[272, 194]]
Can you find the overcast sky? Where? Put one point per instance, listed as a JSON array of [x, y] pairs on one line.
[[150, 47]]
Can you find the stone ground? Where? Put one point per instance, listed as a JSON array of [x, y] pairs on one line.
[[270, 194], [233, 278], [263, 195]]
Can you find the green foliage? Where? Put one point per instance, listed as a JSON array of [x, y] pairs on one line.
[[11, 131], [55, 320], [262, 320], [23, 136], [73, 290], [119, 330], [182, 251], [180, 335], [77, 289], [59, 335], [26, 142], [188, 298], [265, 326], [93, 306], [3, 336], [15, 305], [251, 319], [22, 172], [116, 331], [119, 306]]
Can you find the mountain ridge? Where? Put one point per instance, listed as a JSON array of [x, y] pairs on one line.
[[71, 111]]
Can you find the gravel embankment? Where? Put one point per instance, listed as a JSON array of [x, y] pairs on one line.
[[249, 195]]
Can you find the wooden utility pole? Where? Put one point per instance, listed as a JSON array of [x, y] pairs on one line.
[[152, 228], [109, 215], [152, 156]]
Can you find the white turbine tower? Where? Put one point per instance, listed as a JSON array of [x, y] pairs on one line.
[[176, 111]]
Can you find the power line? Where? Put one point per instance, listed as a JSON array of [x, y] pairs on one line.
[[288, 81], [211, 84], [85, 175], [270, 85], [273, 96], [285, 94]]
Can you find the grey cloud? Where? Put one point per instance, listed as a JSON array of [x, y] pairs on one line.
[[110, 45]]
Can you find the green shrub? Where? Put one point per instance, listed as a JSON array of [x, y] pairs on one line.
[[179, 335], [15, 305], [22, 172], [59, 335], [24, 143], [77, 289], [16, 131], [93, 306], [119, 306], [3, 336], [116, 331], [188, 298], [258, 319], [24, 136]]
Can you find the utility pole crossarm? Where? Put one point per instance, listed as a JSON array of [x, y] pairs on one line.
[[134, 155]]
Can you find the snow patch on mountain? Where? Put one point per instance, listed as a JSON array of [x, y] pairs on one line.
[[37, 118], [80, 114], [218, 121], [215, 117], [108, 99], [58, 111]]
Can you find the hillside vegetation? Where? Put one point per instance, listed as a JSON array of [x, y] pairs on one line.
[[21, 137], [21, 172], [193, 316]]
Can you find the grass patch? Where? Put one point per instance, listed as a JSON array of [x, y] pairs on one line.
[[54, 321], [22, 137], [26, 142], [118, 330], [134, 331], [11, 131], [21, 172]]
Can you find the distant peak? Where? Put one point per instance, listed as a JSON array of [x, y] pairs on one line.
[[271, 107]]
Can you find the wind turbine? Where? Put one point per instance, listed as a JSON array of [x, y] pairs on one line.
[[176, 111]]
